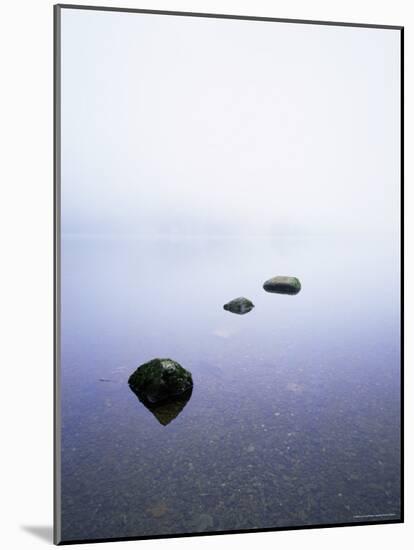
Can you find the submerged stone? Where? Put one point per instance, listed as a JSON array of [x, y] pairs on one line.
[[282, 285], [202, 522], [160, 380], [239, 305], [158, 510]]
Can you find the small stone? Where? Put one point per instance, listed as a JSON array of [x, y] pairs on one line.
[[239, 305], [158, 509], [203, 522], [282, 285]]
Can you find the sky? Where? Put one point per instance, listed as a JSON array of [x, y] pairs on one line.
[[197, 126]]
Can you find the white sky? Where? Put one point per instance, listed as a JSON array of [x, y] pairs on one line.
[[215, 126]]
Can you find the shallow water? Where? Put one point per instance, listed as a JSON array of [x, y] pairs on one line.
[[294, 416]]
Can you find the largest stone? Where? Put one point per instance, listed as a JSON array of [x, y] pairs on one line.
[[282, 285], [160, 380]]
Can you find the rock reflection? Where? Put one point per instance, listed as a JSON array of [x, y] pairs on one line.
[[165, 411]]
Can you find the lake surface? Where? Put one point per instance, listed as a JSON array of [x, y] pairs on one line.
[[294, 418]]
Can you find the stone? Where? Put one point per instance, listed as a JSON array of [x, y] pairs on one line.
[[158, 510], [239, 305], [283, 285], [202, 522], [160, 380]]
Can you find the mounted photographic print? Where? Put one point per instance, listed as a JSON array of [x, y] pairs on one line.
[[228, 265]]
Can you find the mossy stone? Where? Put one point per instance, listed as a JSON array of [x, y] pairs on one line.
[[283, 285], [159, 380], [239, 305]]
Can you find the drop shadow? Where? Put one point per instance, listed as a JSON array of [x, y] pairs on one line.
[[43, 532]]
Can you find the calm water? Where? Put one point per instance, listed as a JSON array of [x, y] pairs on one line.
[[294, 416]]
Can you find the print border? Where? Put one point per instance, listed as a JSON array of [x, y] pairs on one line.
[[57, 256]]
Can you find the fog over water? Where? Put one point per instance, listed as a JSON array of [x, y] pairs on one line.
[[201, 126], [201, 157]]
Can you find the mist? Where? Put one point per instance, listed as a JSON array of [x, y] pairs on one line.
[[213, 127]]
